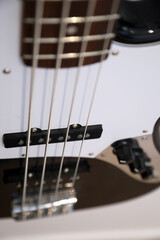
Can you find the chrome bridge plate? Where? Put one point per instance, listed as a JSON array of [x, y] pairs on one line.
[[61, 203]]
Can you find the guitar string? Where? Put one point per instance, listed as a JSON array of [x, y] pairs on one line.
[[62, 105], [110, 26], [65, 13], [83, 101], [87, 27], [43, 101], [37, 34]]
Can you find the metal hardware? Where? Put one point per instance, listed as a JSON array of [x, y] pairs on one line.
[[41, 140], [67, 20], [34, 130], [6, 70], [62, 202], [80, 136], [72, 38], [87, 135], [150, 31], [115, 52], [66, 55], [61, 139], [129, 152], [145, 131]]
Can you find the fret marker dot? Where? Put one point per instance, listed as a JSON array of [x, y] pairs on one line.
[[71, 30]]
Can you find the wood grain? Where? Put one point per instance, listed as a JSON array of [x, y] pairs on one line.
[[53, 10]]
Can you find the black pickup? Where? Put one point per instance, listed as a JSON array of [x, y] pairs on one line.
[[39, 136]]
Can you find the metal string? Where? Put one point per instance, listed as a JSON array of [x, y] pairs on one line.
[[90, 12], [65, 13], [110, 26], [37, 34]]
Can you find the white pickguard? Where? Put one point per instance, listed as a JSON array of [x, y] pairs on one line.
[[126, 103]]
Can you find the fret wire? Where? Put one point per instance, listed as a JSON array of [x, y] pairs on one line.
[[87, 28], [71, 39], [37, 33], [65, 12], [67, 55], [115, 6], [99, 18]]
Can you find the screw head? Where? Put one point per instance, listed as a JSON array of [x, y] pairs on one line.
[[30, 175], [91, 154], [69, 137], [74, 125], [115, 52], [41, 140], [87, 135], [80, 136], [21, 142], [145, 131], [150, 31], [34, 130], [6, 70], [66, 170], [61, 138]]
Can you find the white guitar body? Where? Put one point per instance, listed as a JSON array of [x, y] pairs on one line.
[[126, 103]]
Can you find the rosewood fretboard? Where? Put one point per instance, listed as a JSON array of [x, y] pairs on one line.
[[102, 24]]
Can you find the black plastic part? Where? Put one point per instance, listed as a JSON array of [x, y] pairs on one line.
[[140, 21], [148, 173], [35, 172], [39, 136], [129, 152], [124, 150], [140, 164]]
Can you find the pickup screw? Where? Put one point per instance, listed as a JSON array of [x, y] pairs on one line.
[[66, 170], [34, 130], [60, 138], [36, 183], [69, 137], [145, 131], [23, 155], [19, 185], [91, 154], [41, 140], [150, 31], [30, 175], [115, 52], [21, 142], [6, 70], [87, 135], [74, 125], [80, 136]]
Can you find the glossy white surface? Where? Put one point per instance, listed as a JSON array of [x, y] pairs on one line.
[[125, 103]]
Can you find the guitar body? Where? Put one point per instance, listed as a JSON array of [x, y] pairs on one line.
[[126, 104]]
